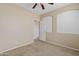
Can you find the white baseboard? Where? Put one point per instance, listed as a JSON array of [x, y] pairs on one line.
[[29, 42], [63, 45]]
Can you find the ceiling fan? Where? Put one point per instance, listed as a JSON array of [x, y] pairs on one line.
[[42, 5]]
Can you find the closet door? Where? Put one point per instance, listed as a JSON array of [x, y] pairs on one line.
[[36, 29], [45, 26]]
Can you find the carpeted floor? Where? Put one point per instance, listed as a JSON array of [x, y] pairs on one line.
[[40, 48]]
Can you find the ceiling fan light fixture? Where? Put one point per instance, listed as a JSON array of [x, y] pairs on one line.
[[42, 5]]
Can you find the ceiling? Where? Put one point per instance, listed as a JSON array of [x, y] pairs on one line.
[[38, 9]]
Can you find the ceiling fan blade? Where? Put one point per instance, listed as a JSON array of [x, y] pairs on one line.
[[51, 3], [34, 5], [42, 6]]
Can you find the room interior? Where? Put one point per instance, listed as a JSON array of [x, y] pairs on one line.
[[27, 31]]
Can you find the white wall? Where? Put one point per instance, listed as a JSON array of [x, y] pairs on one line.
[[68, 22], [16, 26]]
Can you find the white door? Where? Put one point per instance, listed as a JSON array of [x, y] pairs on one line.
[[43, 30], [45, 26], [36, 29]]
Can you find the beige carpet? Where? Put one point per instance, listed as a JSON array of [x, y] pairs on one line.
[[40, 48]]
